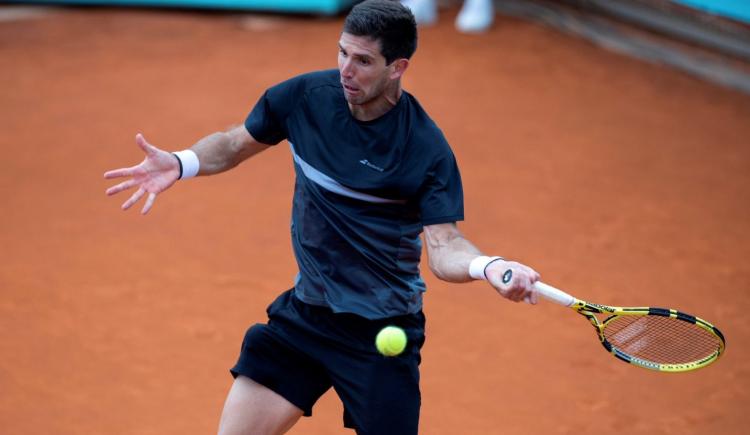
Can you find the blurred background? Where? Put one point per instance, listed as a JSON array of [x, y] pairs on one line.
[[605, 143]]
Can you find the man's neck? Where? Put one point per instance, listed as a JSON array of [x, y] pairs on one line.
[[378, 107]]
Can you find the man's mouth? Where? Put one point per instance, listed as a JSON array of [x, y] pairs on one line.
[[349, 88]]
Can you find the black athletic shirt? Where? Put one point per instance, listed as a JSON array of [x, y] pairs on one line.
[[362, 194]]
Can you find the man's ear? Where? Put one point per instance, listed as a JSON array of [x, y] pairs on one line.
[[399, 67]]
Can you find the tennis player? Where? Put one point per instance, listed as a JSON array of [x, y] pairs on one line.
[[373, 172]]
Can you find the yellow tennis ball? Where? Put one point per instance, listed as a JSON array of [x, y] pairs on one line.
[[391, 341]]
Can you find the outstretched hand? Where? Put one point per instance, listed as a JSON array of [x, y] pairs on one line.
[[156, 173]]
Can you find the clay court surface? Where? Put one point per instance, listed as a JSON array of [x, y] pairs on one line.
[[623, 182]]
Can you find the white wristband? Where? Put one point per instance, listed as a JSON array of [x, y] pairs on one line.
[[479, 264], [189, 164]]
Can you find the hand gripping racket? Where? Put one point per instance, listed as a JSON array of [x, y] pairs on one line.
[[659, 339]]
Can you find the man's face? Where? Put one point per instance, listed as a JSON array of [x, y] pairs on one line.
[[364, 74]]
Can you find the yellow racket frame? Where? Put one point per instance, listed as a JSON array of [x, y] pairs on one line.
[[590, 310]]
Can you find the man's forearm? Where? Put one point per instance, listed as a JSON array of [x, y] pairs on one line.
[[450, 255], [221, 151]]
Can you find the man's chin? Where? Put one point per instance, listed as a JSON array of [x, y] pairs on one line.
[[354, 101]]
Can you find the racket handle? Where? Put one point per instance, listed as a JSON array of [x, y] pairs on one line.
[[553, 294]]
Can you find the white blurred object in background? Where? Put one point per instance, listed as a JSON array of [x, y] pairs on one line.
[[475, 16], [425, 11]]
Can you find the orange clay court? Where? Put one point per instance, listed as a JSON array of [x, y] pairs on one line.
[[623, 182]]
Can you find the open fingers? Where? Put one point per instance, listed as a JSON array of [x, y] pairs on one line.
[[133, 199], [122, 172], [145, 146], [149, 203], [125, 185], [133, 170]]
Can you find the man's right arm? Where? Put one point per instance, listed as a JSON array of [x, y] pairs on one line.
[[219, 152]]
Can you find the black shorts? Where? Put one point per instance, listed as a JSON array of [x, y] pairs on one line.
[[305, 349]]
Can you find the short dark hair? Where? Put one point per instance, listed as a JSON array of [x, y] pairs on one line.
[[386, 21]]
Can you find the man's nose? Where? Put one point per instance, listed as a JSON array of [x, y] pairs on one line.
[[347, 69]]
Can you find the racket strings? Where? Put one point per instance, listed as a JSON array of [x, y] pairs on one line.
[[663, 340]]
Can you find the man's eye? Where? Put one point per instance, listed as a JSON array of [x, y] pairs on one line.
[[364, 61]]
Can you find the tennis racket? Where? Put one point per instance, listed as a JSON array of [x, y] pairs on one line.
[[659, 339]]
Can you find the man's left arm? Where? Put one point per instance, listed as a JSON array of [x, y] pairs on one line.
[[452, 257]]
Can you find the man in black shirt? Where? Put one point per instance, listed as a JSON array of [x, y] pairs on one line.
[[373, 172]]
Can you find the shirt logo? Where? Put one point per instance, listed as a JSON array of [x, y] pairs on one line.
[[370, 165]]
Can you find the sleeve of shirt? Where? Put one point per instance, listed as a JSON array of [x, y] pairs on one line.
[[442, 198], [267, 121]]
